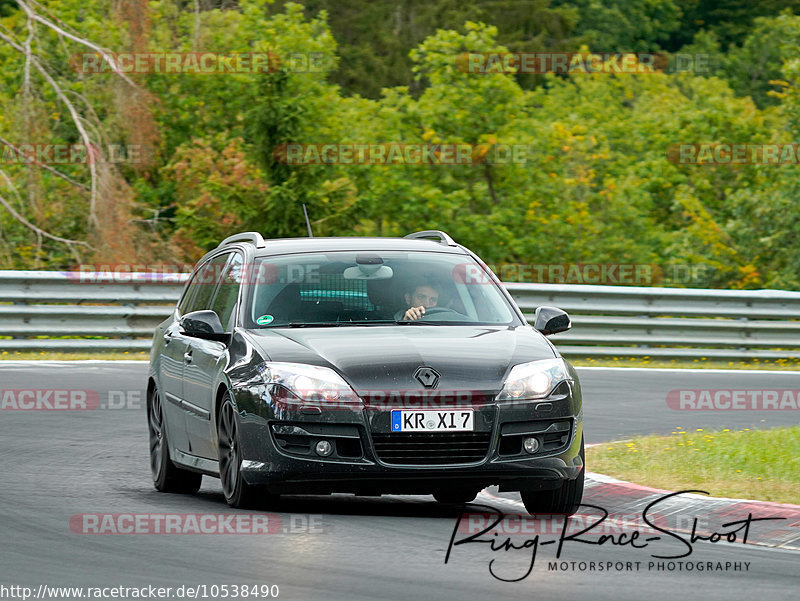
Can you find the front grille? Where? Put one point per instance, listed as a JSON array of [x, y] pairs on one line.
[[432, 449]]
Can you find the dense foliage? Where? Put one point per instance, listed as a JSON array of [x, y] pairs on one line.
[[596, 185]]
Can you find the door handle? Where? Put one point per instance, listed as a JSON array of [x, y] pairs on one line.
[[187, 356]]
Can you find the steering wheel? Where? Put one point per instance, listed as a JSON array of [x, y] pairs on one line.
[[444, 314]]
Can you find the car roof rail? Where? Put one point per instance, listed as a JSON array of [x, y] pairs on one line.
[[253, 237], [442, 236]]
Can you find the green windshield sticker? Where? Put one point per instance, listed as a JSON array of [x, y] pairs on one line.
[[264, 320]]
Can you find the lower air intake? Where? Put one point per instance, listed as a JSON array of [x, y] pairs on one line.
[[432, 449]]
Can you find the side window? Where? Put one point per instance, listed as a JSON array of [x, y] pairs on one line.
[[228, 291], [208, 277], [186, 300]]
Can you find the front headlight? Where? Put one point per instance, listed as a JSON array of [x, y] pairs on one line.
[[534, 380], [311, 383]]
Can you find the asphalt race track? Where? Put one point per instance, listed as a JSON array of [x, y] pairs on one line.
[[57, 464]]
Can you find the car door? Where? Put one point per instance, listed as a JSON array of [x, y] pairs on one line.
[[171, 371], [204, 357]]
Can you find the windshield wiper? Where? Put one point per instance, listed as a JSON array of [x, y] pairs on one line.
[[332, 324]]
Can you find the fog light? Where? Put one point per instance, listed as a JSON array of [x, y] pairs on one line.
[[531, 445], [324, 448]]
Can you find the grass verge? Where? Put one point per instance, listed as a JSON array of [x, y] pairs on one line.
[[69, 356], [749, 464], [771, 364]]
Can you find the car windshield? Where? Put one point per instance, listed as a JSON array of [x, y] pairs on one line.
[[355, 288]]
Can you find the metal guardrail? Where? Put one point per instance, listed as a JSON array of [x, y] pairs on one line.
[[50, 310], [630, 321], [58, 310]]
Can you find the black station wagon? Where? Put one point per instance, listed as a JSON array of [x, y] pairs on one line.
[[365, 366]]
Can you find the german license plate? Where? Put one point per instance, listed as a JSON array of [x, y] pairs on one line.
[[432, 420]]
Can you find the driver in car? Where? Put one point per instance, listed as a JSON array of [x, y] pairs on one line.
[[423, 296]]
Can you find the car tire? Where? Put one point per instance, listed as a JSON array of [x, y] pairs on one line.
[[167, 477], [455, 496], [238, 492], [563, 500]]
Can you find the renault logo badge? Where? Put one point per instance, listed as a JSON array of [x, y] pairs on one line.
[[427, 376]]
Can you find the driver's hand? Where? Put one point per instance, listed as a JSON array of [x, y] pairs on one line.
[[414, 313]]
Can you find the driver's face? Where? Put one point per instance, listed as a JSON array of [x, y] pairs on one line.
[[424, 296]]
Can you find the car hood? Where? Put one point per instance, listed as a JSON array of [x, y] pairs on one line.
[[474, 358]]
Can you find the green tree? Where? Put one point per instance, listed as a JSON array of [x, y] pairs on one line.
[[730, 20], [624, 26]]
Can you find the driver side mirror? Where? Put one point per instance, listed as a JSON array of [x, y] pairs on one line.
[[550, 320], [203, 324]]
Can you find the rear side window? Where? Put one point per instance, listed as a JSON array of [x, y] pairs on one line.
[[206, 280], [228, 291]]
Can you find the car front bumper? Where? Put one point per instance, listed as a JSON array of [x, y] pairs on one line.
[[277, 444]]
